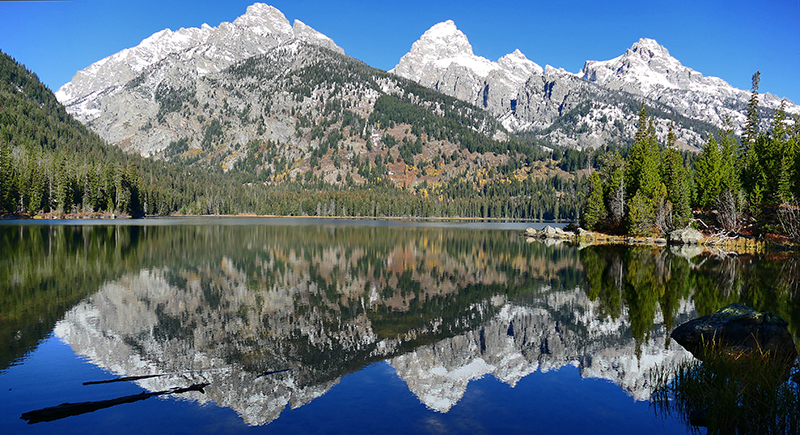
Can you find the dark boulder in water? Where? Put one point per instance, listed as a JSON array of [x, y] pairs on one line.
[[737, 328]]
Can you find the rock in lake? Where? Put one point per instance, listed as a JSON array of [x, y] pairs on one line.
[[737, 327], [550, 231], [685, 236]]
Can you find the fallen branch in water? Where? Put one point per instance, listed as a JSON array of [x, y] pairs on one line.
[[124, 379], [65, 410]]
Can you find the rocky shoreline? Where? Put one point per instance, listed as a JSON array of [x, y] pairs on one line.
[[687, 239]]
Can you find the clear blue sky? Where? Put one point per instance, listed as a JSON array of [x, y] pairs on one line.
[[730, 39]]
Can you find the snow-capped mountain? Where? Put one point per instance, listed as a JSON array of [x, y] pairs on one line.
[[443, 46], [166, 89], [198, 52], [598, 100], [522, 340], [649, 70], [203, 95], [443, 59]]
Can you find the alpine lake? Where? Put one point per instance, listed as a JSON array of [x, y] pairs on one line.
[[272, 325]]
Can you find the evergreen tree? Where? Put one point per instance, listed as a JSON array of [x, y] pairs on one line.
[[641, 215], [6, 177], [729, 176], [770, 165], [37, 185], [612, 174], [676, 180], [782, 159], [645, 189], [63, 185], [595, 210], [708, 174], [643, 159], [794, 139], [751, 125]]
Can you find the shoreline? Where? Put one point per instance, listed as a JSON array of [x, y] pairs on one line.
[[113, 216], [708, 244]]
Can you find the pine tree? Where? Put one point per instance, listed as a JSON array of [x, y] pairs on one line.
[[595, 210], [612, 174], [37, 185], [794, 140], [708, 175], [751, 125], [749, 170], [6, 177], [783, 156], [63, 185], [676, 180], [643, 160], [729, 176], [641, 215], [643, 179]]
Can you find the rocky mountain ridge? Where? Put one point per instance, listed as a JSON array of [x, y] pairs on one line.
[[199, 51], [647, 69], [174, 86], [527, 98], [283, 103]]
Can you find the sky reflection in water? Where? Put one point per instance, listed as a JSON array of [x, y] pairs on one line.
[[418, 329]]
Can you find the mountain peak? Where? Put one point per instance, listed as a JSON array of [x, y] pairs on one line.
[[205, 50], [647, 49], [517, 64], [439, 47], [644, 68], [264, 19], [445, 39], [442, 29]]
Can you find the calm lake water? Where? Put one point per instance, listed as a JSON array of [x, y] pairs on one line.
[[321, 326]]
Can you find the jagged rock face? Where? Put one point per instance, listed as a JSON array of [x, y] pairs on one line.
[[649, 70], [204, 96], [443, 59], [177, 59], [599, 103]]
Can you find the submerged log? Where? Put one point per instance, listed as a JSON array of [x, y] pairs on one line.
[[65, 410]]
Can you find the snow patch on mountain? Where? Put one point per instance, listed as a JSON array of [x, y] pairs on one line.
[[205, 49], [526, 98], [649, 70], [444, 46]]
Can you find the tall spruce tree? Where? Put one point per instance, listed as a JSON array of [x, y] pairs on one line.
[[677, 182], [643, 179], [782, 159], [643, 159], [728, 142], [595, 210], [6, 176], [708, 174], [751, 125], [612, 173]]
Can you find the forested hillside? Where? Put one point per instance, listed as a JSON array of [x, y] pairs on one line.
[[735, 185], [52, 164]]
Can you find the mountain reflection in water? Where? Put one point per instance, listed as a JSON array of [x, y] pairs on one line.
[[236, 306]]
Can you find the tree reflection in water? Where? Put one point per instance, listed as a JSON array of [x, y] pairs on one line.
[[326, 300]]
